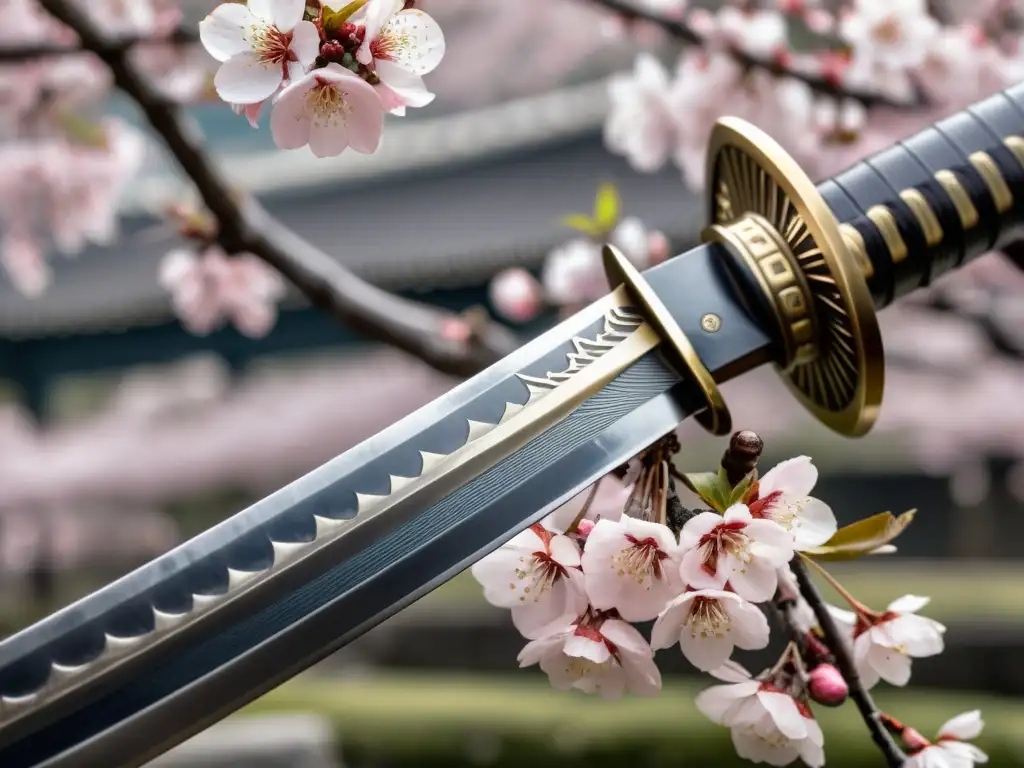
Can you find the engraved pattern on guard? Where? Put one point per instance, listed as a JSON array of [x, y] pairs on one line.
[[618, 325]]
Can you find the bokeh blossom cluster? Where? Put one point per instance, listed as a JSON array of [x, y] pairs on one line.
[[832, 82], [584, 584]]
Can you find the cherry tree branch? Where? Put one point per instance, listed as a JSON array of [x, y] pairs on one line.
[[18, 53], [684, 33], [245, 226], [836, 643]]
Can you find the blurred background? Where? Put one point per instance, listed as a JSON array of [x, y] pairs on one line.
[[122, 433]]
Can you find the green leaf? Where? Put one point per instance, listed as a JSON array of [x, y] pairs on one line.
[[739, 492], [863, 537], [606, 207], [582, 223], [334, 20], [710, 487]]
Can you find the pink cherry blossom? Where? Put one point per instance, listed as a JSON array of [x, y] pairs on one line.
[[632, 566], [951, 749], [708, 624], [330, 109], [735, 549], [517, 295], [537, 575], [209, 287], [639, 124], [768, 724], [784, 497], [401, 46], [261, 45], [884, 644], [605, 656]]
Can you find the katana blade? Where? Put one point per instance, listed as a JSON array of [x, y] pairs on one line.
[[791, 275]]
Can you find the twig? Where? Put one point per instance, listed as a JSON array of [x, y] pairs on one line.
[[244, 226], [684, 33], [890, 750], [42, 50]]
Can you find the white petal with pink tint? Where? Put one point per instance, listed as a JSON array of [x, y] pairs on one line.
[[330, 109], [246, 79], [708, 624], [784, 497], [223, 32], [631, 565], [536, 574], [736, 549], [413, 41], [401, 89]]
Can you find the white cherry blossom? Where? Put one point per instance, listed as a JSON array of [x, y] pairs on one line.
[[895, 34], [633, 566], [768, 724], [884, 644], [735, 549], [708, 624], [401, 46], [331, 110], [537, 575], [640, 125], [950, 749], [784, 497], [607, 657], [261, 45]]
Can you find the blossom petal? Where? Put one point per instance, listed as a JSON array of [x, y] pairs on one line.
[[693, 573], [328, 138], [305, 44], [666, 629], [586, 648], [794, 477], [718, 700], [263, 9], [705, 650], [222, 33], [784, 713], [535, 650], [643, 678], [626, 637], [366, 120], [731, 672], [918, 635], [738, 513], [246, 79], [697, 527], [750, 628], [770, 541], [497, 575], [755, 581], [551, 610], [285, 14], [376, 14], [964, 727], [815, 524], [422, 41], [565, 551], [909, 604], [289, 121], [891, 665]]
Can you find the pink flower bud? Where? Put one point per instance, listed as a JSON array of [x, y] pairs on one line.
[[585, 527], [827, 686], [913, 739], [516, 295]]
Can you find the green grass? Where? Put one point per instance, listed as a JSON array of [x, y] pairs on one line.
[[960, 592], [434, 719]]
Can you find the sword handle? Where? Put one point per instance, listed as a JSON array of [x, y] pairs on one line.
[[815, 261], [937, 200]]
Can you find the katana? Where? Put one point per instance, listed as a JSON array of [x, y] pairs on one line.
[[789, 273]]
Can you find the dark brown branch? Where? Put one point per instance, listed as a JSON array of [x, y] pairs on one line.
[[836, 643], [16, 53], [244, 226], [686, 34]]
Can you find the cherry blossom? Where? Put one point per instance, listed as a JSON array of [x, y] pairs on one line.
[[517, 295], [884, 644], [210, 287], [784, 497], [735, 549], [768, 724], [951, 749], [604, 656], [632, 566], [708, 624], [401, 46], [261, 46], [639, 124], [330, 109], [537, 575]]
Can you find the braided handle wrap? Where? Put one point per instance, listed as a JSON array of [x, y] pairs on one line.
[[935, 201]]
